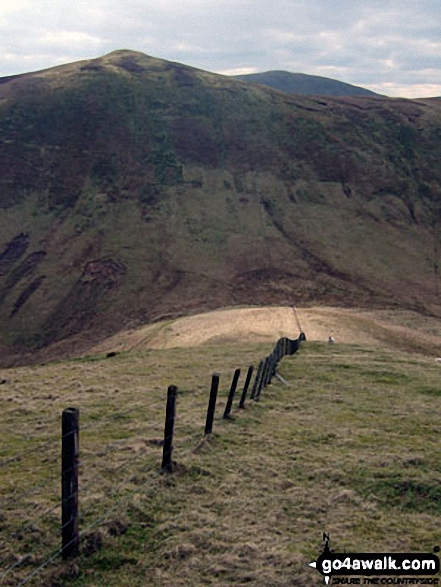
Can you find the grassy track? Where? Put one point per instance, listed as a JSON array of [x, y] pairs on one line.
[[350, 448]]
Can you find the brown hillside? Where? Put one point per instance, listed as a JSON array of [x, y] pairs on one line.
[[133, 189]]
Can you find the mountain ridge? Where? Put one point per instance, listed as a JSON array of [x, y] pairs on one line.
[[132, 188], [305, 84]]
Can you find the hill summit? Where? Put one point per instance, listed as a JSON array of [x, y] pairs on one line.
[[133, 188], [304, 84]]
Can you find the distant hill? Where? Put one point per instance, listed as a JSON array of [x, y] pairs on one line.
[[133, 188], [303, 84]]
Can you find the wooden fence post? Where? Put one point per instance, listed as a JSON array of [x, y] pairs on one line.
[[69, 482], [231, 394], [257, 380], [212, 403], [170, 415], [271, 368], [280, 344], [267, 371], [262, 382], [274, 365], [245, 387], [278, 351]]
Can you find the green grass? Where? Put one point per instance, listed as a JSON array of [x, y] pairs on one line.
[[349, 448], [398, 491]]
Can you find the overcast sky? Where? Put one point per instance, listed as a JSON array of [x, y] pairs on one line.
[[390, 46]]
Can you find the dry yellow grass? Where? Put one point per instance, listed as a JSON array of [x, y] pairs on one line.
[[401, 329]]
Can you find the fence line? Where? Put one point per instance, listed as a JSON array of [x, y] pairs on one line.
[[72, 492]]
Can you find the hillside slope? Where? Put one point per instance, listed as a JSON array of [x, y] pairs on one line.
[[347, 446], [133, 188], [304, 84]]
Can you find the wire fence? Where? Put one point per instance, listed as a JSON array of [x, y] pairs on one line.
[[32, 545]]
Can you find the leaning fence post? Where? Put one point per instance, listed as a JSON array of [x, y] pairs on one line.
[[257, 380], [267, 371], [272, 368], [69, 482], [170, 414], [245, 387], [231, 394], [277, 352], [262, 382], [212, 403], [265, 374], [281, 344]]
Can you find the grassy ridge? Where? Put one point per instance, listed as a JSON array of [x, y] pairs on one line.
[[349, 448]]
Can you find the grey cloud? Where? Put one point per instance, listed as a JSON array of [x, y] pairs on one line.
[[368, 43]]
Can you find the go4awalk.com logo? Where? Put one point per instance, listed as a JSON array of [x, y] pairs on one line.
[[376, 568]]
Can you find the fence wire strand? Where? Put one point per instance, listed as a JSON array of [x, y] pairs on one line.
[[92, 525], [84, 428], [113, 447]]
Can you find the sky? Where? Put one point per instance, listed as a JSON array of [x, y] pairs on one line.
[[392, 47]]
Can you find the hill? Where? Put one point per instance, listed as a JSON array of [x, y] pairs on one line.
[[304, 84], [133, 188]]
